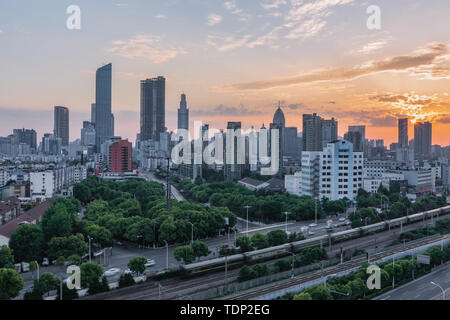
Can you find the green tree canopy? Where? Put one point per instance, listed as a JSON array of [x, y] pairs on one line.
[[27, 243]]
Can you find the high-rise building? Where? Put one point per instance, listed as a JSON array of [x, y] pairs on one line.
[[183, 114], [153, 108], [403, 133], [234, 152], [27, 136], [329, 131], [51, 145], [422, 140], [120, 156], [356, 139], [312, 132], [291, 143], [334, 173], [103, 117], [61, 124], [362, 132], [278, 117], [88, 134]]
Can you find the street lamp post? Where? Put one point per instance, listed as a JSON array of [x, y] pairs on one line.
[[442, 289], [247, 207], [315, 210], [192, 232], [167, 255], [89, 248], [286, 213], [154, 233]]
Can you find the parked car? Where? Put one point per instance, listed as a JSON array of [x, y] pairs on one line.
[[313, 225], [45, 262]]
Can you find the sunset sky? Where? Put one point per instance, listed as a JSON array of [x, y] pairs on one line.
[[234, 60]]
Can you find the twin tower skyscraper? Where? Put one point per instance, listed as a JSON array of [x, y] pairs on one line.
[[152, 111]]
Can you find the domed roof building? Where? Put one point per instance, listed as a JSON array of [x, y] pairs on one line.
[[278, 117]]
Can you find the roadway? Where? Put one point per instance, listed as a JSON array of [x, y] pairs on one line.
[[422, 289]]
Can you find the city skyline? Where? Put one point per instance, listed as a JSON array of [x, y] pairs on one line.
[[235, 61]]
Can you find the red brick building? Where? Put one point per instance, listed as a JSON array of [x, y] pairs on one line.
[[120, 156]]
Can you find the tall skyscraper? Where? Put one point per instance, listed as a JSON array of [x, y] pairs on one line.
[[312, 132], [61, 124], [403, 133], [153, 108], [422, 140], [183, 114], [103, 116]]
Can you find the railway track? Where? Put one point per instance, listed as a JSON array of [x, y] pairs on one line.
[[261, 291], [177, 288]]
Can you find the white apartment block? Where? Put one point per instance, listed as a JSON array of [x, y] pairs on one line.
[[335, 173], [42, 185], [310, 173], [5, 175], [47, 184], [293, 183]]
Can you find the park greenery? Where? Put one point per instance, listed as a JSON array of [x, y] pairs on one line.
[[264, 206], [393, 205], [133, 211], [353, 286], [136, 211]]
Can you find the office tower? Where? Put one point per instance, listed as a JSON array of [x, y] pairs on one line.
[[120, 156], [329, 131], [278, 117], [362, 131], [291, 143], [422, 140], [88, 134], [61, 124], [234, 151], [27, 136], [103, 116], [312, 132], [93, 113], [356, 139], [183, 114], [153, 106], [403, 133]]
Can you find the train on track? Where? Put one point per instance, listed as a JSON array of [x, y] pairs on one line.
[[238, 260]]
